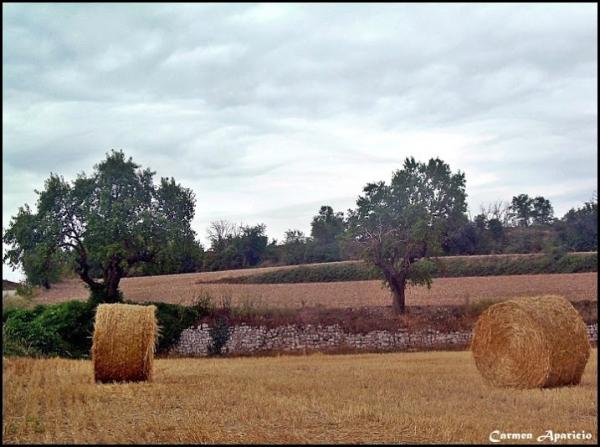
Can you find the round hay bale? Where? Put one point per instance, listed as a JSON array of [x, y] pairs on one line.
[[123, 343], [533, 342]]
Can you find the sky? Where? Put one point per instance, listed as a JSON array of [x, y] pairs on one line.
[[268, 111]]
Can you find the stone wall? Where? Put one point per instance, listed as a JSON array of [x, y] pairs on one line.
[[245, 340]]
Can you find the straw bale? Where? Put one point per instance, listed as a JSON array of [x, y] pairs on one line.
[[124, 342], [534, 342]]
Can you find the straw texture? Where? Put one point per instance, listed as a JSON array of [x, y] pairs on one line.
[[532, 342], [124, 342]]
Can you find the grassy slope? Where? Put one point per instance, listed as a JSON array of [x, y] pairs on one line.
[[449, 267], [410, 397]]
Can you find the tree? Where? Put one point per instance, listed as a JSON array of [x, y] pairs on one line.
[[496, 231], [294, 247], [521, 209], [327, 225], [526, 211], [235, 246], [41, 262], [578, 229], [542, 212], [461, 237], [499, 211], [489, 229], [219, 231], [106, 223], [184, 255], [400, 223], [252, 244]]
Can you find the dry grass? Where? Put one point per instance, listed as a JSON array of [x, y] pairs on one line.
[[124, 342], [410, 397], [182, 289], [533, 342]]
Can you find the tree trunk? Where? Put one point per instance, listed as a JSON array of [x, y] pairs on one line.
[[397, 283], [111, 285]]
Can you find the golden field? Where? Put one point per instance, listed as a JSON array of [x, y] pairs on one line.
[[369, 398], [184, 288]]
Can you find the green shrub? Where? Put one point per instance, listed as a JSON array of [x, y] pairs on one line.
[[63, 329], [12, 346], [66, 329], [172, 319], [450, 267], [25, 290]]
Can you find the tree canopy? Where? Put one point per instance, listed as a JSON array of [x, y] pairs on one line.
[[235, 246], [527, 211], [578, 229], [399, 223], [327, 225], [105, 223]]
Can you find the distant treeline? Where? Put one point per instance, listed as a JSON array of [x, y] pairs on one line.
[[525, 225], [439, 267]]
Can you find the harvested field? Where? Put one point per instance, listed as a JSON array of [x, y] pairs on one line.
[[185, 288], [435, 397]]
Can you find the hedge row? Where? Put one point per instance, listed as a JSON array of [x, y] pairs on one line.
[[440, 267], [66, 329]]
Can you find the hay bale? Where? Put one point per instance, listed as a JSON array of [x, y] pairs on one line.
[[531, 343], [124, 341]]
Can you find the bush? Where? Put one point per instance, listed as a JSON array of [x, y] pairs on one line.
[[439, 267], [25, 290], [173, 319], [63, 329], [12, 346], [66, 329]]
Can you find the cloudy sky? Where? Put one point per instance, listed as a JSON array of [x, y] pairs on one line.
[[268, 111]]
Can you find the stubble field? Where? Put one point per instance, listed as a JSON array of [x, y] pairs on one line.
[[183, 289], [369, 398]]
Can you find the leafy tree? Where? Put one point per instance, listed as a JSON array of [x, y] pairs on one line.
[[461, 237], [526, 210], [106, 223], [235, 246], [41, 262], [542, 212], [578, 229], [522, 210], [294, 237], [252, 244], [327, 225], [489, 233], [399, 223], [181, 255], [294, 247], [497, 234]]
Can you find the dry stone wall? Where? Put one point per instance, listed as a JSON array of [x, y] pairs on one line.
[[247, 340]]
